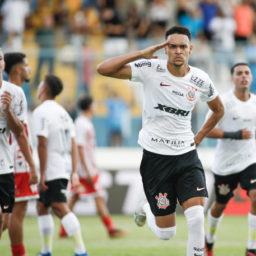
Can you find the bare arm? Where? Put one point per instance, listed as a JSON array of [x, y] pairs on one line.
[[42, 148], [83, 161], [218, 111], [74, 175], [117, 67], [242, 134]]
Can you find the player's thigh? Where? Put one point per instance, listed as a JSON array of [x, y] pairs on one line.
[[191, 188], [224, 187]]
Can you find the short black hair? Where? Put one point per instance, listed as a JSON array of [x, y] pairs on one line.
[[54, 85], [85, 102], [178, 30], [11, 59], [238, 64]]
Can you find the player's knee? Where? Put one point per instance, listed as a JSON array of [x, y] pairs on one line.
[[165, 233], [195, 218]]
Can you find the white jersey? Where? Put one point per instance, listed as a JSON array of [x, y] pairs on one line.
[[168, 103], [85, 137], [18, 107], [52, 121], [233, 156]]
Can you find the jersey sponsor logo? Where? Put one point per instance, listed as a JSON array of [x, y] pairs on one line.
[[199, 189], [211, 91], [223, 189], [235, 117], [2, 130], [162, 201], [160, 69], [178, 112], [174, 143], [178, 93], [162, 84], [252, 181], [191, 95], [197, 81], [142, 63]]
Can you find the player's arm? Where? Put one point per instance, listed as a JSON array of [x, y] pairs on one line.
[[13, 122], [118, 66], [25, 149], [74, 175], [80, 149], [217, 112], [42, 149], [242, 134]]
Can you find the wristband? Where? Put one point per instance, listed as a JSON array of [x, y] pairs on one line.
[[233, 135]]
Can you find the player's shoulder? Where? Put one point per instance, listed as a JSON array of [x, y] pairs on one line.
[[253, 98], [197, 72], [12, 88], [149, 63]]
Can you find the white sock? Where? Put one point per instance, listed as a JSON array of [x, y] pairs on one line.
[[162, 233], [195, 222], [72, 227], [252, 231], [46, 228], [213, 223]]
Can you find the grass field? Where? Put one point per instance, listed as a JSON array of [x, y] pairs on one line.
[[231, 239]]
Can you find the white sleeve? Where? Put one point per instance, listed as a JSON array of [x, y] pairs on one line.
[[80, 131], [72, 129], [140, 69], [19, 104], [209, 93], [41, 124]]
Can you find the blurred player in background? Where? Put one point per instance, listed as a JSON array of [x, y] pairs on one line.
[[55, 132], [87, 169], [170, 167], [18, 70], [12, 112], [235, 157]]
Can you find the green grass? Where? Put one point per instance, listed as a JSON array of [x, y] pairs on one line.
[[231, 239]]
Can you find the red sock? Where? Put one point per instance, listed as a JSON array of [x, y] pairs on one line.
[[18, 250], [108, 223]]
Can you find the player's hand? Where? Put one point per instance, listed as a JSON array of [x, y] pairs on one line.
[[6, 100], [42, 185], [75, 180], [198, 139], [246, 134], [148, 53], [33, 178]]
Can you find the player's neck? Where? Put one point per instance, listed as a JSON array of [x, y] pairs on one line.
[[178, 71], [87, 114], [15, 79], [243, 95]]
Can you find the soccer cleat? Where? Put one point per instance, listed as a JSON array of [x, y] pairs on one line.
[[250, 252], [81, 254], [208, 249], [140, 215], [117, 233], [45, 254]]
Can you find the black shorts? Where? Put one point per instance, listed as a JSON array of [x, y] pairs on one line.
[[168, 178], [225, 185], [56, 192], [7, 192]]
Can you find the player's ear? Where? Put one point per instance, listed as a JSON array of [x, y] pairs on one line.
[[165, 49], [190, 49]]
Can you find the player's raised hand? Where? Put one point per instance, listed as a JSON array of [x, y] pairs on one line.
[[246, 134], [148, 53], [6, 100]]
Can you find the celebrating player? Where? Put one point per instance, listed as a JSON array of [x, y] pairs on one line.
[[57, 156], [235, 157], [170, 167]]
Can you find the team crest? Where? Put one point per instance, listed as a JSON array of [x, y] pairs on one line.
[[191, 95], [162, 201], [223, 189]]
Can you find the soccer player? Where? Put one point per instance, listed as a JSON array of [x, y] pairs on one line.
[[87, 168], [235, 157], [18, 70], [170, 167], [57, 157], [12, 106]]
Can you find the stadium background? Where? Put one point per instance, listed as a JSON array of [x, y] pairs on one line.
[[70, 37]]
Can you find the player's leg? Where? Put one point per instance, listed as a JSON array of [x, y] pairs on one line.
[[15, 228], [68, 219], [1, 222], [224, 187], [46, 227], [106, 218], [5, 221], [248, 182]]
